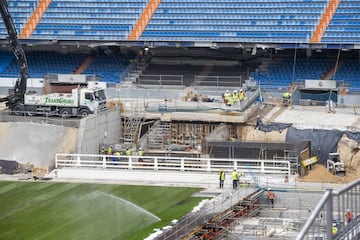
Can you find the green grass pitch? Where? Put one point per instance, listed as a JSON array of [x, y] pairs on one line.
[[49, 210]]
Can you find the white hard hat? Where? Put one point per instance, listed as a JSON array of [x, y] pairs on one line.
[[227, 90], [235, 90], [269, 189], [334, 224], [240, 89]]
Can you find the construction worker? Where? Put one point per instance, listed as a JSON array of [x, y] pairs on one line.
[[241, 97], [110, 150], [286, 95], [286, 180], [140, 153], [227, 98], [334, 229], [222, 178], [235, 97], [271, 197], [348, 216], [102, 151], [235, 178], [117, 157], [128, 153]]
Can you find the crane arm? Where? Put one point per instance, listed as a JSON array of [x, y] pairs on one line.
[[16, 49]]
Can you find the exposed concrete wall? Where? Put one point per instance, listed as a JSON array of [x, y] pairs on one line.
[[96, 130], [35, 143]]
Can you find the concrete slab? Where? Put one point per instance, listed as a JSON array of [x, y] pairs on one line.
[[315, 117]]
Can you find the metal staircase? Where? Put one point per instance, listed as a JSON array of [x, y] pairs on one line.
[[159, 135], [132, 126]]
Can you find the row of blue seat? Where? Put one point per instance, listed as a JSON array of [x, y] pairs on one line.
[[241, 10], [242, 1], [229, 23], [94, 10], [92, 15], [286, 34], [344, 29], [100, 1], [65, 21], [95, 4], [73, 37], [83, 27], [255, 28], [113, 33], [232, 5]]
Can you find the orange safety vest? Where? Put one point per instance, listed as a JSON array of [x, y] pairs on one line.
[[348, 216], [271, 195]]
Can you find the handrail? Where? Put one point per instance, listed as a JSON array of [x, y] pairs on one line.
[[160, 163], [345, 198], [314, 214]]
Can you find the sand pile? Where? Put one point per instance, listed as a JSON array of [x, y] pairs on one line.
[[319, 173]]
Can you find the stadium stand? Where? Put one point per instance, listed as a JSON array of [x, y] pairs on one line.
[[42, 63], [344, 27], [108, 67], [20, 11], [227, 20], [280, 72], [89, 20]]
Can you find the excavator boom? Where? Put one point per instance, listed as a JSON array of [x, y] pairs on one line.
[[16, 48]]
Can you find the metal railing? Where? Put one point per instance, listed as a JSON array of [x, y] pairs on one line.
[[219, 81], [165, 163], [332, 210], [168, 80]]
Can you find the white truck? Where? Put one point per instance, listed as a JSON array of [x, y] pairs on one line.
[[81, 102]]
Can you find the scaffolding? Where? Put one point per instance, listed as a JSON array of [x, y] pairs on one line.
[[131, 126]]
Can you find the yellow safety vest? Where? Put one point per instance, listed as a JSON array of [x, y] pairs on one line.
[[242, 96], [235, 175], [222, 175]]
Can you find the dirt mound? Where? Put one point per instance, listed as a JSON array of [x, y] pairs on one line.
[[319, 173]]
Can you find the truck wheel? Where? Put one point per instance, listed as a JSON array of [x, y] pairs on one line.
[[84, 112], [65, 112], [30, 110], [18, 110]]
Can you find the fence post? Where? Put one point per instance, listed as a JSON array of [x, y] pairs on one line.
[[78, 161], [329, 215], [104, 161], [262, 166], [130, 163], [56, 160], [208, 167], [182, 167], [156, 168]]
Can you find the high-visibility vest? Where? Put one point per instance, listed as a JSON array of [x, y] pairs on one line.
[[235, 175], [235, 96], [271, 195], [222, 175], [140, 153], [110, 151], [286, 95], [128, 152], [242, 96], [334, 230], [348, 216]]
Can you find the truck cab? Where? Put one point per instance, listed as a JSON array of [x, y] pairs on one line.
[[93, 98]]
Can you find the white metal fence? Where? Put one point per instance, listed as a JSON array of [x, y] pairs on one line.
[[164, 163]]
